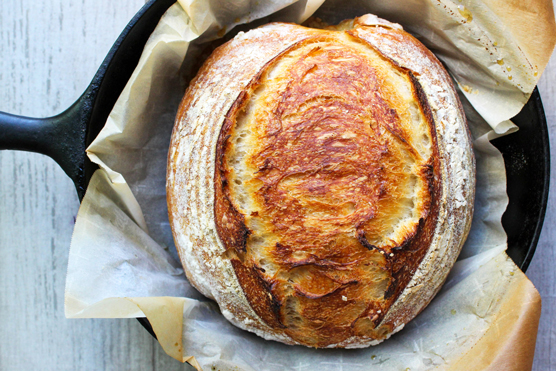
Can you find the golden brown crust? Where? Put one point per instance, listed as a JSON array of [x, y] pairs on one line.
[[330, 183], [326, 151]]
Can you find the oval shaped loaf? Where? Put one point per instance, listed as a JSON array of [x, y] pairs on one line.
[[321, 181]]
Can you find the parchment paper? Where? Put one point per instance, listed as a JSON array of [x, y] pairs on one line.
[[122, 259]]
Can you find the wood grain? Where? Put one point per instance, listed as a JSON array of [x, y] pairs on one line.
[[542, 270], [49, 51]]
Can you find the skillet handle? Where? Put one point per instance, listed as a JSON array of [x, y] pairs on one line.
[[61, 137]]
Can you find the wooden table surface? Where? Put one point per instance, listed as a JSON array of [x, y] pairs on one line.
[[49, 52]]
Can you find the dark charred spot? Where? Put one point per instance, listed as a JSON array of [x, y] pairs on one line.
[[266, 305], [391, 288], [363, 241], [259, 268]]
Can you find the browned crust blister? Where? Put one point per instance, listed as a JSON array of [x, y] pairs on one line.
[[359, 186]]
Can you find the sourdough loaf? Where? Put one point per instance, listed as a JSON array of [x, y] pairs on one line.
[[321, 181]]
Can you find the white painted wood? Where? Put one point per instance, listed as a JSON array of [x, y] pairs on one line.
[[49, 51], [542, 270]]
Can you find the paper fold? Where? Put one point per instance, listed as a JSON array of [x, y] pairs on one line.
[[516, 324]]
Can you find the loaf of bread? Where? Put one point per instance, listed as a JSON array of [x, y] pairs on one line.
[[321, 181]]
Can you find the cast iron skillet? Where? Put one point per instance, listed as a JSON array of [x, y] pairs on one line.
[[66, 136]]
